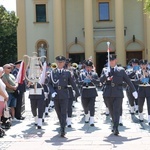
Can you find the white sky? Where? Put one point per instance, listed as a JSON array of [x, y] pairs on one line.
[[10, 5]]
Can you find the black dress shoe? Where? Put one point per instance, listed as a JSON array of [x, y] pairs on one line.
[[141, 120], [92, 125], [120, 124], [20, 118], [62, 132], [86, 121], [39, 127], [46, 114], [115, 131], [69, 126]]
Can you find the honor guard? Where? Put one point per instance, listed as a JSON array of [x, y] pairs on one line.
[[88, 80], [59, 80], [21, 89], [144, 89], [113, 78], [71, 93], [36, 96], [131, 72]]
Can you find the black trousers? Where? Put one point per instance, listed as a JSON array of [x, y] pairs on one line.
[[70, 102], [131, 99], [19, 105], [141, 101], [114, 106], [61, 106], [37, 107], [88, 105]]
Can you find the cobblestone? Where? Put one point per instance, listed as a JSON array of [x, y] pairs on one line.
[[24, 135]]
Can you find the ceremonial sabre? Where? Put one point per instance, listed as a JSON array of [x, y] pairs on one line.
[[108, 50]]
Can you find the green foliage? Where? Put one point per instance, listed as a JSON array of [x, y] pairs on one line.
[[146, 6], [8, 36]]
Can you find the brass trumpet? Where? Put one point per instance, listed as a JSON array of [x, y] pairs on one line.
[[75, 65], [54, 66]]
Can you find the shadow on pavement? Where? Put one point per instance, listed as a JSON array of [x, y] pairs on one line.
[[57, 140], [116, 140]]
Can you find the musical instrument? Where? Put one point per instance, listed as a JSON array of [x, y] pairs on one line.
[[54, 66], [74, 65]]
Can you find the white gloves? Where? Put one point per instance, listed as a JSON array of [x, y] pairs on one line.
[[54, 94], [106, 72], [135, 94]]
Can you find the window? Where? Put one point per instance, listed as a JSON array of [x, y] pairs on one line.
[[40, 12], [104, 12]]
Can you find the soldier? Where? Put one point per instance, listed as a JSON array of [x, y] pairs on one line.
[[37, 102], [131, 72], [88, 81], [143, 76], [113, 78], [59, 80], [71, 93], [21, 90]]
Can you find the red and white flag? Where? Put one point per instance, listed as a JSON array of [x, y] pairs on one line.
[[21, 73]]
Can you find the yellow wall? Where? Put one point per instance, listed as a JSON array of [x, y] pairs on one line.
[[29, 32]]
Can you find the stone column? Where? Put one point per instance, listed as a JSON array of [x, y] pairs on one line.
[[64, 26], [58, 28], [88, 28], [21, 29], [119, 20], [147, 41]]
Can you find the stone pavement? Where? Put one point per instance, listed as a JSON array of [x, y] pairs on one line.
[[24, 135]]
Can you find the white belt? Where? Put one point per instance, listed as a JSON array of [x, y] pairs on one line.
[[89, 87], [145, 85], [69, 86], [37, 91]]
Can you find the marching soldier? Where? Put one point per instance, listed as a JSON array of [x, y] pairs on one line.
[[37, 102], [71, 93], [59, 80], [88, 81], [144, 89], [113, 78], [131, 72], [21, 88]]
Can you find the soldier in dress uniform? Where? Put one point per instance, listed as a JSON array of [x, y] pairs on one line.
[[131, 72], [88, 80], [71, 93], [113, 78], [143, 76], [59, 80], [20, 95], [37, 97]]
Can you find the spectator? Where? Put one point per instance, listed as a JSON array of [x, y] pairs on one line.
[[3, 98], [11, 87]]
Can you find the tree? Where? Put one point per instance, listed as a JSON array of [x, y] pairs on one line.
[[146, 6], [8, 36]]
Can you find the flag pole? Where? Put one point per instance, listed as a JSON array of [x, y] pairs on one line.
[[108, 53]]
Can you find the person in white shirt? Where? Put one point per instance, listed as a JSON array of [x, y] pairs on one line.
[[3, 98], [3, 93]]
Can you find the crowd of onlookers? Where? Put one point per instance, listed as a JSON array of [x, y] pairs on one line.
[[11, 95]]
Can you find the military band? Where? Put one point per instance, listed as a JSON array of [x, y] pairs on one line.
[[65, 81]]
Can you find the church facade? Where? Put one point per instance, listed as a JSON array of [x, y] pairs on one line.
[[79, 29]]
